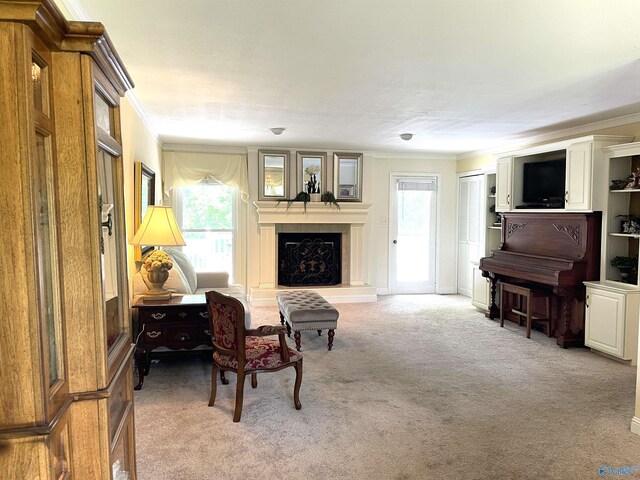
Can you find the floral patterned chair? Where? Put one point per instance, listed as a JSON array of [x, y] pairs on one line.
[[246, 351]]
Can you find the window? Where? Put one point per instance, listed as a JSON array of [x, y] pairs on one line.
[[206, 213]]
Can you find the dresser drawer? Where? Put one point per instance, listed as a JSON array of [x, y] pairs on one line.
[[173, 314]]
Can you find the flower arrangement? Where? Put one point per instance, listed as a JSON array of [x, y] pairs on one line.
[[312, 170], [157, 261], [313, 186]]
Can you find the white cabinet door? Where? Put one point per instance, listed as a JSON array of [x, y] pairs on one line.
[[504, 170], [480, 296], [578, 179], [604, 321]]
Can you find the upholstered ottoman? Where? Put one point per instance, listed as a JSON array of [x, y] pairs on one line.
[[306, 310]]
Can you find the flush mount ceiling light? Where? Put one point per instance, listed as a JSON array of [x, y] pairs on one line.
[[406, 136], [277, 130]]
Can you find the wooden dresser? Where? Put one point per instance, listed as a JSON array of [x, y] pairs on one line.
[[182, 322]]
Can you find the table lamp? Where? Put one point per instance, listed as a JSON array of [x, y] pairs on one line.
[[158, 228]]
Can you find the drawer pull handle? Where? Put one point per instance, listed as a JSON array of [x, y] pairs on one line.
[[207, 332], [183, 336], [153, 334], [158, 316], [182, 314], [204, 314]]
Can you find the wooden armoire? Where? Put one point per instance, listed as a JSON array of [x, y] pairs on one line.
[[66, 393]]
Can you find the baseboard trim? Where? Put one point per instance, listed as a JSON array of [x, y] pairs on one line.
[[635, 425], [260, 297], [446, 291], [382, 291]]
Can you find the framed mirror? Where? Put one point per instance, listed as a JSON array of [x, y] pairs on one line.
[[347, 169], [273, 175], [145, 195], [311, 172]]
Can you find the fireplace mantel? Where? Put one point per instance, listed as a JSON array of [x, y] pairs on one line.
[[316, 212], [352, 214]]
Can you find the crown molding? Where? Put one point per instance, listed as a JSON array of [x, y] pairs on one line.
[[556, 135], [74, 9], [195, 148], [133, 100]]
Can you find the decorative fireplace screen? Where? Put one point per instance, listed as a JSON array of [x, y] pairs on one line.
[[309, 259]]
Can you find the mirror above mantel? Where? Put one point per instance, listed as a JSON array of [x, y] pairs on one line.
[[348, 177], [273, 174]]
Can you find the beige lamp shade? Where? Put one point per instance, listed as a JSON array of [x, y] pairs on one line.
[[159, 228]]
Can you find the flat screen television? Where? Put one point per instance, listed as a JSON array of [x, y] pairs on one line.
[[544, 183]]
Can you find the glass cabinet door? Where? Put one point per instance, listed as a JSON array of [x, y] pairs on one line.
[[44, 219], [112, 225]]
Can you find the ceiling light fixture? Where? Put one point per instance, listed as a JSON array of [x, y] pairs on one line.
[[406, 136], [277, 130]]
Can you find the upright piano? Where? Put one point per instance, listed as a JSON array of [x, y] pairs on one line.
[[552, 251]]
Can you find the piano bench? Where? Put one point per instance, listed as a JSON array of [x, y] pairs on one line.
[[527, 295]]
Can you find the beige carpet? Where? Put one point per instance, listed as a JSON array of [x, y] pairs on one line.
[[416, 387]]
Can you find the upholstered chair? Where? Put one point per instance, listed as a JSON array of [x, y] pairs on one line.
[[246, 351]]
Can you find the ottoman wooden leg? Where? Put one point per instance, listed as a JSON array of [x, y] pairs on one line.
[[288, 330], [296, 335], [281, 319], [331, 333], [319, 332]]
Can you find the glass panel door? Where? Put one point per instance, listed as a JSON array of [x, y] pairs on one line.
[[413, 235], [110, 247], [49, 296]]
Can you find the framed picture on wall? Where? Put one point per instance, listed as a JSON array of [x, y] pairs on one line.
[[145, 195]]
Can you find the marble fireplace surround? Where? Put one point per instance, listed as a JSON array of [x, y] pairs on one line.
[[274, 217]]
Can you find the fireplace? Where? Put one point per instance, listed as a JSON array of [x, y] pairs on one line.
[[309, 259], [276, 218]]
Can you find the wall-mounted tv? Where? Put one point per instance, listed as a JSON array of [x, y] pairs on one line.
[[544, 183]]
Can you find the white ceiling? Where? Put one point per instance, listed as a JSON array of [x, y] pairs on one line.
[[461, 75]]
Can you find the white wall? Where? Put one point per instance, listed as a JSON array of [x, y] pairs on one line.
[[377, 230], [139, 145], [376, 176]]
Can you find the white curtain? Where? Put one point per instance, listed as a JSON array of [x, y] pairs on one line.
[[188, 168]]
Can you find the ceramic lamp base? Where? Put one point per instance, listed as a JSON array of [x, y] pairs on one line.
[[155, 297], [155, 284]]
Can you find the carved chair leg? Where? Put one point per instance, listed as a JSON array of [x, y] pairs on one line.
[[296, 335], [239, 397], [330, 334], [254, 380], [214, 381], [223, 379], [296, 388]]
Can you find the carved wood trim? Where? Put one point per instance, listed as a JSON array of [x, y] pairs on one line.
[[514, 227], [572, 230]]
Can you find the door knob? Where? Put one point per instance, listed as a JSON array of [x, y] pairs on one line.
[[395, 241]]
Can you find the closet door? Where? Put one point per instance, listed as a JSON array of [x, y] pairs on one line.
[[470, 197]]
